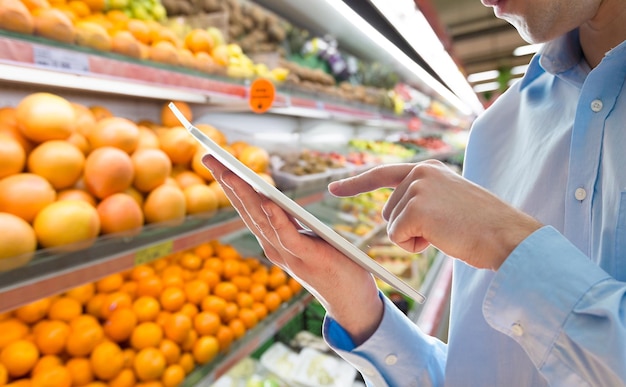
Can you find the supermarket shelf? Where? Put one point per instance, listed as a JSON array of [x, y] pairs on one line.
[[38, 61], [53, 271], [254, 338]]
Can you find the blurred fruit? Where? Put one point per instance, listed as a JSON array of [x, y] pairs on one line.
[[173, 376], [205, 349], [172, 298], [15, 16], [200, 199], [12, 330], [100, 112], [106, 360], [60, 162], [54, 24], [164, 51], [146, 334], [272, 301], [25, 194], [164, 203], [57, 376], [124, 43], [34, 311], [260, 310], [126, 378], [108, 170], [169, 119], [140, 30], [199, 168], [150, 286], [170, 350], [185, 178], [226, 290], [80, 371], [110, 283], [237, 327], [147, 139], [224, 338], [76, 194], [45, 363], [178, 144], [67, 222], [19, 357], [199, 39], [177, 327], [90, 34], [214, 303], [146, 308], [119, 212], [215, 134], [83, 339], [115, 132], [12, 156], [276, 278], [51, 337], [206, 323], [255, 158], [149, 364], [152, 167], [120, 324], [115, 301], [187, 362], [18, 240]]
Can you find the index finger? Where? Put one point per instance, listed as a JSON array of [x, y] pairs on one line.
[[383, 176]]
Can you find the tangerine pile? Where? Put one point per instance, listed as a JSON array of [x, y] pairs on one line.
[[69, 173], [151, 325]]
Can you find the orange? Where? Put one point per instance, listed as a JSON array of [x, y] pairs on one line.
[[260, 276], [45, 363], [187, 362], [25, 195], [76, 194], [186, 178], [146, 308], [64, 309], [19, 357], [276, 278], [295, 286], [149, 364], [130, 288], [15, 16], [4, 375], [258, 292], [147, 139], [170, 350], [80, 370], [18, 241], [177, 327], [244, 300], [45, 116], [205, 349], [146, 334], [106, 360], [215, 304], [272, 301], [110, 283], [209, 277], [12, 330], [12, 156], [108, 170], [190, 261], [226, 290], [231, 268], [22, 383], [169, 119], [80, 142], [117, 132], [198, 167], [51, 337], [8, 116], [244, 269], [189, 309], [248, 317], [230, 311], [85, 118], [178, 144], [150, 286], [214, 264], [100, 112], [115, 301], [285, 292], [238, 328], [255, 158], [60, 162], [260, 310], [120, 324], [252, 262], [206, 323], [34, 311], [140, 30], [165, 52], [12, 132], [57, 376], [139, 272], [196, 291], [55, 24], [243, 283], [226, 251], [204, 250], [119, 212], [173, 280], [123, 42], [165, 203], [152, 167], [220, 54], [173, 376], [83, 339], [84, 320], [225, 337], [126, 378], [67, 222], [199, 40], [215, 134], [172, 298], [189, 341]]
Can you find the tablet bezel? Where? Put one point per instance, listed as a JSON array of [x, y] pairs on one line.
[[319, 228]]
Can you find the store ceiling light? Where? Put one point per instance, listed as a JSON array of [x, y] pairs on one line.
[[483, 76], [518, 70], [527, 50], [485, 87], [461, 96], [36, 76]]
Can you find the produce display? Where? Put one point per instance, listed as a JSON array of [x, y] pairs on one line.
[[71, 173], [152, 324], [386, 150]]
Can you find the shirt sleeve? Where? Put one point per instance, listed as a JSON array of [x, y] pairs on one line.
[[563, 309], [386, 359]]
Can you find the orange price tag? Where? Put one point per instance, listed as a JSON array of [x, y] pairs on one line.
[[262, 94]]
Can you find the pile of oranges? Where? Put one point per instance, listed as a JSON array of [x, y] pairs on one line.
[[149, 326], [69, 173]]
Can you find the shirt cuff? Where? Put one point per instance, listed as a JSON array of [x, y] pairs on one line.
[[536, 288]]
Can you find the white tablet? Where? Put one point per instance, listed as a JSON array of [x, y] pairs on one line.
[[319, 228]]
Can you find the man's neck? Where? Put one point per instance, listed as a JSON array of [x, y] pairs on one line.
[[604, 32]]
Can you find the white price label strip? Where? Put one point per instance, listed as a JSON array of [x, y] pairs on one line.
[[59, 59]]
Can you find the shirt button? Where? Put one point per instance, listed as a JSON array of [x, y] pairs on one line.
[[580, 194], [596, 105], [391, 359], [516, 329]]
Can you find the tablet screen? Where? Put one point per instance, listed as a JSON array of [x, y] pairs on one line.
[[319, 228]]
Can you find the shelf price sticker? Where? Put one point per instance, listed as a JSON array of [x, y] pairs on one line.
[[262, 94], [153, 252], [58, 59]]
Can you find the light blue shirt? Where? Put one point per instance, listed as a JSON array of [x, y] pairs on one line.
[[554, 145]]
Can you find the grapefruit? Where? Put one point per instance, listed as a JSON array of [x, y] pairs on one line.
[[67, 222], [147, 138], [117, 132], [12, 156], [152, 168], [255, 158], [14, 16], [18, 241], [45, 116], [198, 167], [108, 170], [25, 194], [119, 212], [76, 194], [60, 162], [200, 199], [215, 134], [54, 24], [164, 203], [169, 119], [178, 144]]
